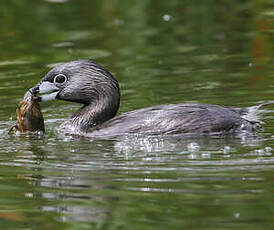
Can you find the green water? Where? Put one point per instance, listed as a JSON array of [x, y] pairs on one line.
[[219, 52]]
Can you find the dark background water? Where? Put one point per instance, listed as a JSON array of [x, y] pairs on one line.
[[161, 52]]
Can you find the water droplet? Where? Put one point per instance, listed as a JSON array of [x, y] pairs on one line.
[[268, 149], [193, 147], [226, 149], [236, 215], [56, 1], [166, 17], [118, 22], [206, 155], [259, 151], [29, 195]]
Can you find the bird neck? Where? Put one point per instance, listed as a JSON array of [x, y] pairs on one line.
[[95, 113]]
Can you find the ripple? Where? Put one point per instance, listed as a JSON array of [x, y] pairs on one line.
[[63, 44], [91, 53], [14, 62], [56, 1], [82, 35]]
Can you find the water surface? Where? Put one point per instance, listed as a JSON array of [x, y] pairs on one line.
[[161, 52]]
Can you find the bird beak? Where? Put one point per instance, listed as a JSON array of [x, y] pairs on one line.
[[48, 90]]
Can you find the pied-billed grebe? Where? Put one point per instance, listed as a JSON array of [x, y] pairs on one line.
[[86, 82]]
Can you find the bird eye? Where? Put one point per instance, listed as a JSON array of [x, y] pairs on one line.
[[60, 79]]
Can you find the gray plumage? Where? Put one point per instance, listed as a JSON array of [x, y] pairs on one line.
[[91, 85]]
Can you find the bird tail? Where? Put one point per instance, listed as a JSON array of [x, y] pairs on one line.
[[253, 113], [263, 104]]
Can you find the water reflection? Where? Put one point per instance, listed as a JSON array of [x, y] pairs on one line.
[[87, 180]]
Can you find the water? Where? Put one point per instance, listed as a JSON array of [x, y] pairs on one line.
[[161, 52]]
